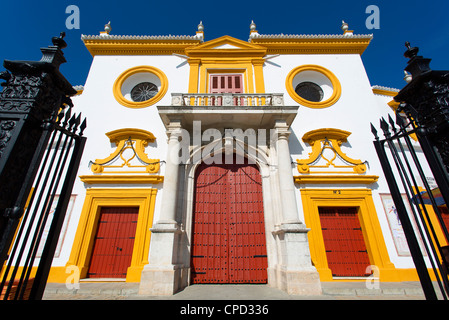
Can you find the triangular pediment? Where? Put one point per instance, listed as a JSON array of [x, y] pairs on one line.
[[226, 45]]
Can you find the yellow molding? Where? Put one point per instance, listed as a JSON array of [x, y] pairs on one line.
[[385, 92], [331, 139], [122, 134], [117, 87], [246, 59], [243, 49], [336, 179], [90, 214], [346, 45], [312, 199], [323, 133], [137, 47], [128, 138], [121, 179], [311, 104]]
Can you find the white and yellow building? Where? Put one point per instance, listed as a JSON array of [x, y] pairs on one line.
[[299, 108]]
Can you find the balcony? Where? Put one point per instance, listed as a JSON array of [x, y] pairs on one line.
[[227, 110], [228, 99]]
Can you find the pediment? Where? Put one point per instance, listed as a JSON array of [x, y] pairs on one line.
[[226, 45]]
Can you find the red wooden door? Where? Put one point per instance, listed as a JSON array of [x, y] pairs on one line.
[[228, 238], [343, 240], [114, 241]]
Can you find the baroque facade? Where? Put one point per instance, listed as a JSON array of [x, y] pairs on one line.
[[231, 161]]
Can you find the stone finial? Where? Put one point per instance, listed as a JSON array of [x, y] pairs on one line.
[[200, 32], [252, 26], [107, 27], [345, 28], [201, 27], [253, 32]]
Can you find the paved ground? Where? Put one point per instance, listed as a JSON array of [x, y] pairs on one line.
[[331, 291]]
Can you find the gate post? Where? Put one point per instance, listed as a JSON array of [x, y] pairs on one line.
[[33, 94], [426, 100]]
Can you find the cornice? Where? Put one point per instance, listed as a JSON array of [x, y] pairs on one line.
[[138, 45], [313, 44]]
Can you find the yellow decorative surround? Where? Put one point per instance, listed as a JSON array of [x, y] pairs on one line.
[[117, 87], [312, 199], [226, 55], [336, 86], [130, 146], [327, 163], [85, 234]]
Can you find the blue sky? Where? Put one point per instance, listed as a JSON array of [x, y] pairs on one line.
[[29, 25]]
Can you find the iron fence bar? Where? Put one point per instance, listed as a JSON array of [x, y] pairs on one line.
[[41, 277], [412, 242], [57, 174], [437, 168], [409, 190], [435, 208], [12, 224], [417, 214], [48, 135], [41, 218]]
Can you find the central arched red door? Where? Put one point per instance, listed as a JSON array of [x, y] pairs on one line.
[[228, 237]]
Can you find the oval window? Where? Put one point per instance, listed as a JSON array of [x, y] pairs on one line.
[[144, 91], [310, 91]]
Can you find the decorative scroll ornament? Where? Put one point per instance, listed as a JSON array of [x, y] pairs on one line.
[[327, 154], [129, 153]]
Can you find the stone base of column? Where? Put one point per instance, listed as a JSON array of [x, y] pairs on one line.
[[163, 276], [162, 282], [304, 282], [295, 274]]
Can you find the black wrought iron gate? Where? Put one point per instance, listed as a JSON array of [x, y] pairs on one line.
[[424, 112], [41, 144]]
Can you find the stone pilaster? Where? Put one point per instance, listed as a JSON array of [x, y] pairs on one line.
[[163, 275], [296, 274]]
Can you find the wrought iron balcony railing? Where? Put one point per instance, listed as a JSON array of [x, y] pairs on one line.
[[227, 99]]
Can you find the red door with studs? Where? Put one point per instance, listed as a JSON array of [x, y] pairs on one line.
[[228, 237], [343, 240], [114, 241]]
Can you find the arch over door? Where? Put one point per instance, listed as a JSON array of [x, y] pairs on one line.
[[228, 237]]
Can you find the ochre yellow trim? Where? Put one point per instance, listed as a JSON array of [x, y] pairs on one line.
[[258, 75], [121, 179], [145, 47], [117, 87], [335, 179], [210, 49], [128, 138], [85, 234], [345, 45], [244, 58], [311, 104], [312, 199], [331, 139], [385, 92], [194, 75]]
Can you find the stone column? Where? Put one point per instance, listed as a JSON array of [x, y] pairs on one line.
[[296, 273], [162, 276], [286, 184]]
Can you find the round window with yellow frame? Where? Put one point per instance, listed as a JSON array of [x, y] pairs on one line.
[[313, 86], [140, 86]]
